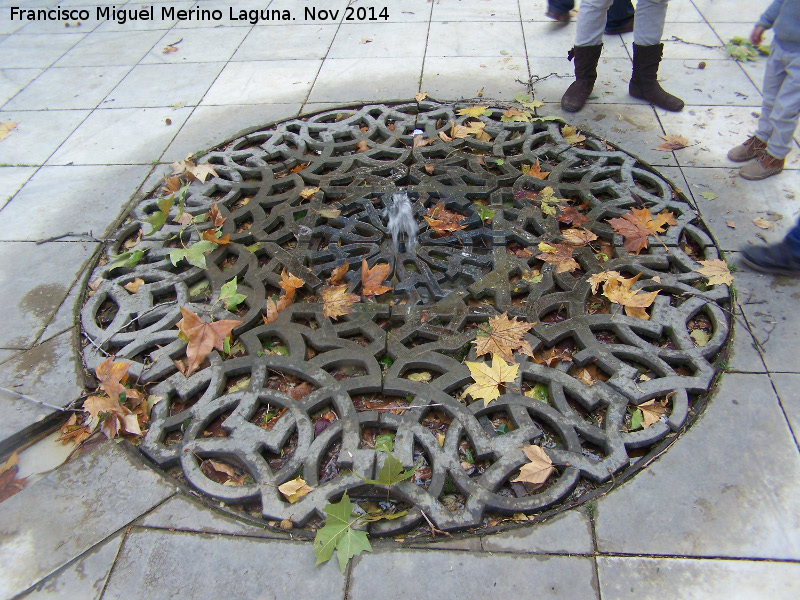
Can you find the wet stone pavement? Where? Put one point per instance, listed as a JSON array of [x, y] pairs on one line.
[[102, 112]]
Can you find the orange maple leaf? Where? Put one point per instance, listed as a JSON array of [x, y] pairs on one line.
[[443, 221], [536, 171], [337, 275], [214, 216], [113, 376], [203, 337], [372, 279], [559, 255], [210, 235], [637, 225]]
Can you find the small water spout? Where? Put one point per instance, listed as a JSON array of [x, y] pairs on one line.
[[401, 223]]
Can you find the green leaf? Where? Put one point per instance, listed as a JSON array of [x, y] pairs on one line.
[[550, 118], [239, 386], [195, 254], [485, 213], [708, 195], [127, 260], [502, 429], [700, 337], [385, 442], [338, 534], [637, 418], [229, 296], [521, 98], [468, 456], [226, 345], [201, 287], [158, 218], [539, 392], [391, 472]]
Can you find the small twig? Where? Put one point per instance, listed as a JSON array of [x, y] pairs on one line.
[[675, 38], [148, 311], [88, 237], [93, 343], [45, 404], [433, 529]]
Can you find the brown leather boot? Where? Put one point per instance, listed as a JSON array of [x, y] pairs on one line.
[[644, 80], [586, 59], [748, 150], [765, 165]]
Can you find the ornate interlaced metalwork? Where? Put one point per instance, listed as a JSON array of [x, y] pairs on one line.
[[262, 411]]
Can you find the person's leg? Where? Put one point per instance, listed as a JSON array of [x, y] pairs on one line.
[[558, 10], [647, 52], [774, 75], [782, 258], [619, 17], [591, 22], [586, 53]]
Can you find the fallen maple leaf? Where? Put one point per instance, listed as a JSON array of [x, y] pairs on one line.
[[651, 413], [337, 301], [515, 114], [290, 283], [578, 237], [295, 489], [444, 137], [5, 128], [502, 337], [193, 171], [717, 272], [538, 469], [601, 277], [9, 484], [637, 225], [372, 279], [421, 96], [111, 415], [559, 255], [572, 216], [273, 308], [362, 146], [420, 141], [202, 337], [113, 376], [619, 290], [337, 275], [489, 379], [307, 193], [210, 235], [672, 143], [443, 221], [338, 534], [473, 111], [571, 135], [74, 432], [535, 171]]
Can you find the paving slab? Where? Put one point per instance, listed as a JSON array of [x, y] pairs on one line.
[[475, 38], [37, 135], [160, 564], [476, 10], [12, 81], [787, 384], [22, 419], [715, 493], [712, 130], [732, 87], [11, 180], [83, 578], [68, 88], [549, 39], [263, 82], [464, 77], [307, 41], [29, 303], [164, 85], [740, 201], [654, 579], [157, 23], [102, 491], [567, 533], [408, 11], [424, 574], [769, 304], [720, 12], [66, 317], [183, 514], [70, 199], [110, 48], [194, 45], [210, 125], [36, 51], [348, 80], [388, 40], [121, 136]]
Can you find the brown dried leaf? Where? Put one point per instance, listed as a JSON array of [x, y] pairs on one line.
[[307, 193], [536, 171], [203, 337], [672, 143], [421, 96], [294, 489], [290, 283], [502, 337], [717, 272], [5, 129], [443, 221], [571, 135], [578, 237], [619, 290], [362, 146], [134, 285], [572, 216], [559, 255], [337, 301], [538, 469], [337, 275], [372, 279], [420, 141], [210, 235], [215, 217], [762, 223], [637, 225], [652, 412]]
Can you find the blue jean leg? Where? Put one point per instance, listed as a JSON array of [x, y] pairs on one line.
[[620, 12], [792, 239]]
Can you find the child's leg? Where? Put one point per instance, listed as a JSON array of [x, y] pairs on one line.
[[773, 79], [786, 107]]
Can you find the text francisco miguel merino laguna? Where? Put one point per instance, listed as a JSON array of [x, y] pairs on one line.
[[148, 13]]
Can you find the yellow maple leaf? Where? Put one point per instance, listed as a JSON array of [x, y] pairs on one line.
[[619, 290], [472, 111], [717, 272], [489, 379], [5, 129], [308, 192], [571, 135], [337, 301], [502, 337]]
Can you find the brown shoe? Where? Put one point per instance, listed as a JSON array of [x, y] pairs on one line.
[[644, 80], [586, 59], [747, 151], [765, 165]]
